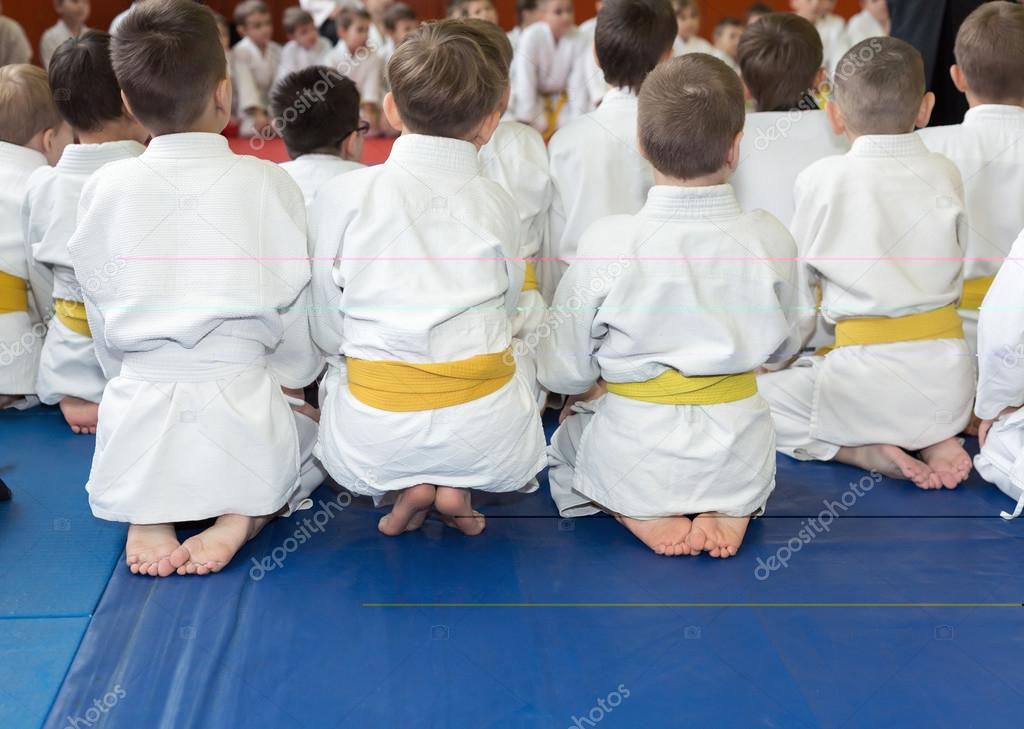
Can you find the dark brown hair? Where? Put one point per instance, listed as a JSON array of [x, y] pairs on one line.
[[631, 37], [990, 52], [397, 13], [314, 110], [780, 56], [85, 88]]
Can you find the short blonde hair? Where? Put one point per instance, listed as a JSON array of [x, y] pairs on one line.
[[444, 78], [26, 104]]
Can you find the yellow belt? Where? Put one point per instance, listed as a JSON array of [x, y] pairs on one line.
[[402, 387], [942, 323], [72, 315], [552, 110], [974, 291], [13, 294], [530, 282], [674, 388]]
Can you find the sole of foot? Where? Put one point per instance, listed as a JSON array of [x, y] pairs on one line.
[[950, 462], [409, 512], [81, 415], [723, 534], [211, 550], [153, 550], [667, 536], [891, 461], [455, 506]]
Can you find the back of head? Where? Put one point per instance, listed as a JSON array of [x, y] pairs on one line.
[[83, 82], [632, 36], [314, 110], [879, 85], [444, 80], [498, 47], [780, 56], [990, 52], [168, 60], [691, 110], [26, 104]]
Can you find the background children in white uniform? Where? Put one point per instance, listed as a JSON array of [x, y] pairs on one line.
[[305, 46], [73, 16], [882, 230], [399, 21], [688, 39], [69, 373], [424, 400], [208, 319], [32, 135], [871, 22], [14, 45], [781, 66], [988, 147], [323, 133], [682, 430], [727, 39], [596, 166], [254, 65], [352, 57]]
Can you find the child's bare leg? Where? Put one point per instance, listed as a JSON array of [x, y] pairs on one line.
[[457, 510], [7, 400], [890, 461], [721, 535], [949, 461], [153, 549], [973, 425], [410, 509], [665, 536], [212, 549], [81, 415]]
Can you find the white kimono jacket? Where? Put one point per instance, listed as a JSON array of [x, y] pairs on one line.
[[68, 366], [311, 171], [208, 319], [861, 27], [296, 58], [52, 38], [689, 283], [597, 170], [253, 72], [544, 69], [882, 229], [593, 77], [364, 67], [418, 260], [696, 44], [21, 332], [832, 29], [988, 149]]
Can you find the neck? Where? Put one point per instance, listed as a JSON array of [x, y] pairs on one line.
[[716, 178], [74, 26], [110, 133]]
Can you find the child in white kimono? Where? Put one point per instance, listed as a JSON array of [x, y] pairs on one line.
[[830, 27], [987, 147], [73, 14], [416, 277], [596, 167], [254, 61], [593, 77], [781, 65], [316, 112], [305, 46], [69, 373], [871, 22], [32, 135], [549, 91], [881, 231], [399, 21], [681, 430], [207, 320], [727, 39], [688, 39], [352, 57]]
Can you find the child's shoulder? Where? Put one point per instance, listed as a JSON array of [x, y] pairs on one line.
[[512, 138]]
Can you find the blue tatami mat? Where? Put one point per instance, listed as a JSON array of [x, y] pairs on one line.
[[902, 612]]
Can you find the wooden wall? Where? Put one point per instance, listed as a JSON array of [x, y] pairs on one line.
[[37, 15]]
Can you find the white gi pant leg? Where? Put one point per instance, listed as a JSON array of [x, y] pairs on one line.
[[790, 395], [311, 473], [68, 366], [562, 464], [1000, 462]]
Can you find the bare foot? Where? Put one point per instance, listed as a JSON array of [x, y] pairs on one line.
[[81, 415], [457, 511], [153, 549], [212, 549], [891, 461], [973, 425], [949, 461], [8, 400], [723, 534], [409, 511], [665, 536]]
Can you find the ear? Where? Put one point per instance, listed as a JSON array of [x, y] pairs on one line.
[[486, 128], [924, 114], [640, 146], [222, 96], [733, 158], [835, 118], [391, 112], [959, 80], [820, 78], [127, 107], [352, 147]]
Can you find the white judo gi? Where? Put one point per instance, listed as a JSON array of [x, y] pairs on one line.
[[21, 332], [597, 170], [988, 149], [253, 72], [68, 366], [1001, 379], [689, 283], [295, 57], [311, 171], [696, 44], [832, 29], [52, 38], [882, 230], [364, 67], [209, 320], [863, 26], [417, 261], [542, 70], [592, 75]]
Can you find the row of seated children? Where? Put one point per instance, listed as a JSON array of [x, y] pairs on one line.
[[881, 234]]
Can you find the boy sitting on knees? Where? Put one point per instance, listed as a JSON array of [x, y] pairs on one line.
[[682, 429], [881, 230]]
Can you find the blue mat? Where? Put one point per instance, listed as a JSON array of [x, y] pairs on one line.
[[902, 612]]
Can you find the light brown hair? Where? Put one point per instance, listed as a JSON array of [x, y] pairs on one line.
[[691, 110], [780, 56], [990, 52], [26, 104], [250, 7], [295, 18], [444, 78], [879, 85]]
